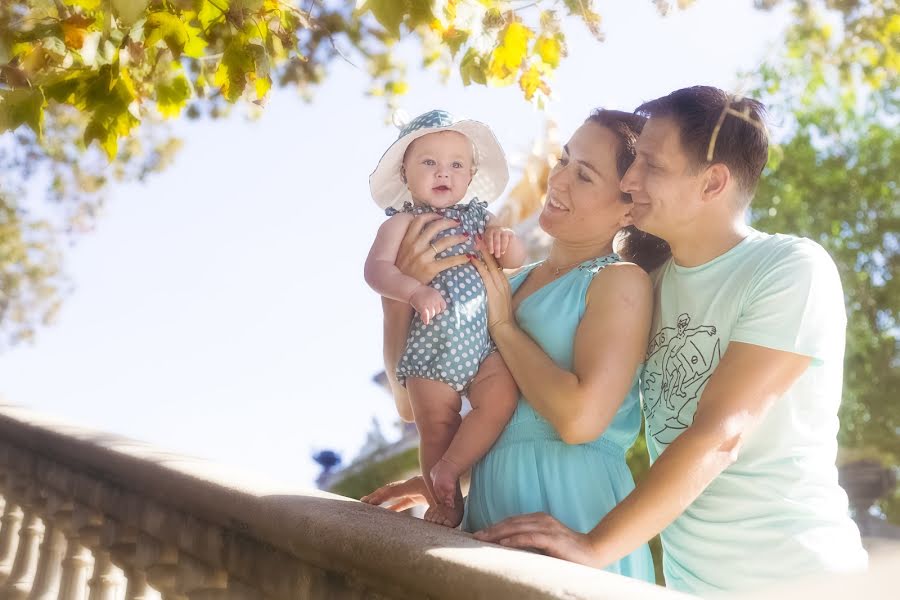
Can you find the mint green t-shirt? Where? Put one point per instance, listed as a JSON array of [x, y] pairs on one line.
[[778, 511]]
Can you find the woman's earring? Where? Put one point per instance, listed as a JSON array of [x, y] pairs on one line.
[[403, 175]]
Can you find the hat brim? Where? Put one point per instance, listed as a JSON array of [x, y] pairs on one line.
[[389, 191]]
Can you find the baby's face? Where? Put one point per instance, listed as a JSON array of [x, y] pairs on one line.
[[439, 168]]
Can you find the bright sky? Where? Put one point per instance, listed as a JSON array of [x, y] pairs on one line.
[[220, 310]]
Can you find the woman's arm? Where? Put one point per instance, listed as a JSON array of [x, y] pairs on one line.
[[609, 347]]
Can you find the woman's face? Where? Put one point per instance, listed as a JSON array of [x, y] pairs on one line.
[[584, 203]]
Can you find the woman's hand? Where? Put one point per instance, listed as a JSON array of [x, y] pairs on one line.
[[540, 531], [402, 494], [418, 250], [499, 294]]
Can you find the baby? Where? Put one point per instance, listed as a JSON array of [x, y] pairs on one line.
[[433, 166]]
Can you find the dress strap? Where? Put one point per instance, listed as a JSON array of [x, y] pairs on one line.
[[595, 265]]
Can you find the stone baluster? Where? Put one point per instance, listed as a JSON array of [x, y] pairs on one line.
[[52, 552], [78, 562], [197, 581], [21, 577], [163, 573], [108, 581], [138, 552], [10, 524]]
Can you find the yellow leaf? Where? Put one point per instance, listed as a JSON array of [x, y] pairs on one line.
[[507, 58], [549, 49], [262, 85], [195, 45], [531, 82]]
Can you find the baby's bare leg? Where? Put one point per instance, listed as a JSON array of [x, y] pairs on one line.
[[436, 408], [493, 395], [397, 317]]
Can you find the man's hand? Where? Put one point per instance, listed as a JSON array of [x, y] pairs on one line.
[[540, 531]]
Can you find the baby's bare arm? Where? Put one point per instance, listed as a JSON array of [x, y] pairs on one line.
[[381, 273], [515, 254]]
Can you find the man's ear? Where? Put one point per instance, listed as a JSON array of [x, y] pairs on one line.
[[718, 176], [626, 219]]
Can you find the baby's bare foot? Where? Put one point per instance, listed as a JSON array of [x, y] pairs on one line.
[[445, 482], [445, 515]]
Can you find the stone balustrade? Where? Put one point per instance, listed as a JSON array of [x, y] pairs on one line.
[[92, 516]]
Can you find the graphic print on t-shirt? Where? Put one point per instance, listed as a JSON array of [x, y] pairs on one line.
[[679, 362]]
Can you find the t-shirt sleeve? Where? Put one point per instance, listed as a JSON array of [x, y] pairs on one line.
[[795, 303]]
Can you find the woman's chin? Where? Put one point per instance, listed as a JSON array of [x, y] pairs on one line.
[[549, 222]]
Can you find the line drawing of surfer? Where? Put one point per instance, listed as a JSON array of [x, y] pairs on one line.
[[678, 365], [682, 367]]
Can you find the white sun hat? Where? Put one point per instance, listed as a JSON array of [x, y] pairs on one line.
[[389, 191]]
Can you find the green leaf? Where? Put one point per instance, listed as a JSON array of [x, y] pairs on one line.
[[389, 13], [231, 74], [129, 11], [212, 12], [172, 96], [473, 67], [111, 121], [22, 107], [420, 13], [164, 26], [454, 38], [63, 87]]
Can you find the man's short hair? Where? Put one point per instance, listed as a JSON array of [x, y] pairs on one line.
[[717, 127]]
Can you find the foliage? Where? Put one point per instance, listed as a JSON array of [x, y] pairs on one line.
[[356, 483], [87, 85], [833, 178]]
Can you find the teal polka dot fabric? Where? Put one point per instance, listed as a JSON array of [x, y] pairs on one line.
[[453, 345], [433, 118]]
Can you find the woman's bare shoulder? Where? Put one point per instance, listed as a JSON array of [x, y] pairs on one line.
[[622, 280]]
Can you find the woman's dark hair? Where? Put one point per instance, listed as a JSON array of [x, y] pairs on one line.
[[643, 249]]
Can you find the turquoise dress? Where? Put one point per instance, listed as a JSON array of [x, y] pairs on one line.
[[530, 469]]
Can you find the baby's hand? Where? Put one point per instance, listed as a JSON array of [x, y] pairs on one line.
[[497, 239], [428, 302]]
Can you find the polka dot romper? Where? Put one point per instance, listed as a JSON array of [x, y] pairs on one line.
[[451, 347]]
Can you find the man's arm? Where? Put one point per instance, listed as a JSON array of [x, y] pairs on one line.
[[745, 385]]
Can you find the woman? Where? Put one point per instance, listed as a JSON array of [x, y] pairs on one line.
[[572, 329]]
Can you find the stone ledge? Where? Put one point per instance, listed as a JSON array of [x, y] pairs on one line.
[[393, 555]]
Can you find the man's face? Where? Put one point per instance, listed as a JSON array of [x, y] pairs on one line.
[[662, 183]]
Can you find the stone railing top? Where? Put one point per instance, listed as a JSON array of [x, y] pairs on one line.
[[331, 532]]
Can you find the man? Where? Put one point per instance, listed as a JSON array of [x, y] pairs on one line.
[[743, 373]]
